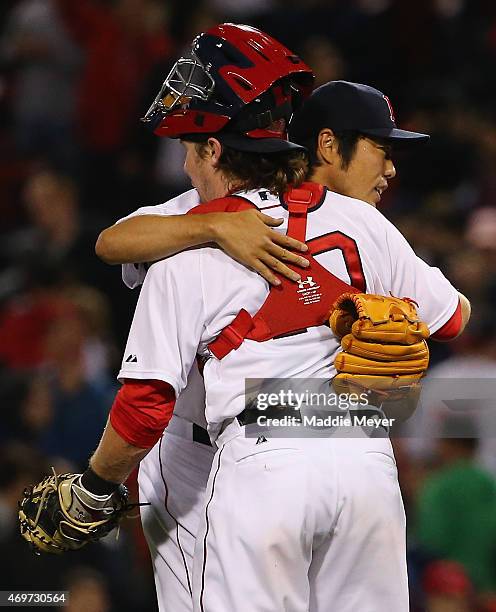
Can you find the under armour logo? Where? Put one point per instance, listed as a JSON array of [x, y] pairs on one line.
[[132, 359], [309, 282], [261, 440]]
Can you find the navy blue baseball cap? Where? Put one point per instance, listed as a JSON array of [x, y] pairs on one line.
[[341, 105]]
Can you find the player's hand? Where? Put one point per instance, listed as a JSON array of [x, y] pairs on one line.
[[248, 237], [59, 514]]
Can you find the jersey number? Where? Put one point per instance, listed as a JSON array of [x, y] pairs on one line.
[[349, 249]]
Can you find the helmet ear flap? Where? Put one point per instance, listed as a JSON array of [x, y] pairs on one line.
[[268, 115], [297, 96]]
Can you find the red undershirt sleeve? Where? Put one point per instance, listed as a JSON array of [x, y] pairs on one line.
[[142, 410], [451, 328]]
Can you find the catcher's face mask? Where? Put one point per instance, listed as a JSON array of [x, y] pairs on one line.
[[187, 80]]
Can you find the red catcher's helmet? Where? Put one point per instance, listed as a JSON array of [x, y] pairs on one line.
[[230, 67]]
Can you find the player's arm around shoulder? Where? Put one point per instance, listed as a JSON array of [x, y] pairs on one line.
[[147, 234], [247, 236]]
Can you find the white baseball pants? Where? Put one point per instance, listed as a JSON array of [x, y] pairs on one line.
[[301, 525], [173, 478]]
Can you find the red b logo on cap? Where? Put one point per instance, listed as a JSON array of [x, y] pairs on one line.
[[390, 106]]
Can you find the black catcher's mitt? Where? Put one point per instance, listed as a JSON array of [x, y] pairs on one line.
[[58, 514]]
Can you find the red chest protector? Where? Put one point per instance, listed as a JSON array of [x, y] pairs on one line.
[[290, 307]]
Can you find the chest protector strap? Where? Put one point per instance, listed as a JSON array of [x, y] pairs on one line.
[[291, 307]]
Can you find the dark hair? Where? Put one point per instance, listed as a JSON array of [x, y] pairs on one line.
[[347, 144], [271, 171]]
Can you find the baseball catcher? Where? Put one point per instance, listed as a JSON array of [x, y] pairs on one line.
[[60, 514]]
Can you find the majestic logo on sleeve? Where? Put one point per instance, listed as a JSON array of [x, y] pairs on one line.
[[131, 359], [309, 291], [390, 106]]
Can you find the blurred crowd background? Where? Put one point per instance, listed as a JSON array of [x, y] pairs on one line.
[[76, 75]]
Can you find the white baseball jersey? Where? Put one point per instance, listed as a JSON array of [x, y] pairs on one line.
[[191, 404], [186, 300]]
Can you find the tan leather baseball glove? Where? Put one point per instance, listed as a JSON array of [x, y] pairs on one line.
[[383, 342]]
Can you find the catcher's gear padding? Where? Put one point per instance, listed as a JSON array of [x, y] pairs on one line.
[[383, 342], [58, 514]]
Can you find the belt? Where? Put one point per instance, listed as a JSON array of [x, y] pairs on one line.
[[188, 430], [201, 435]]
